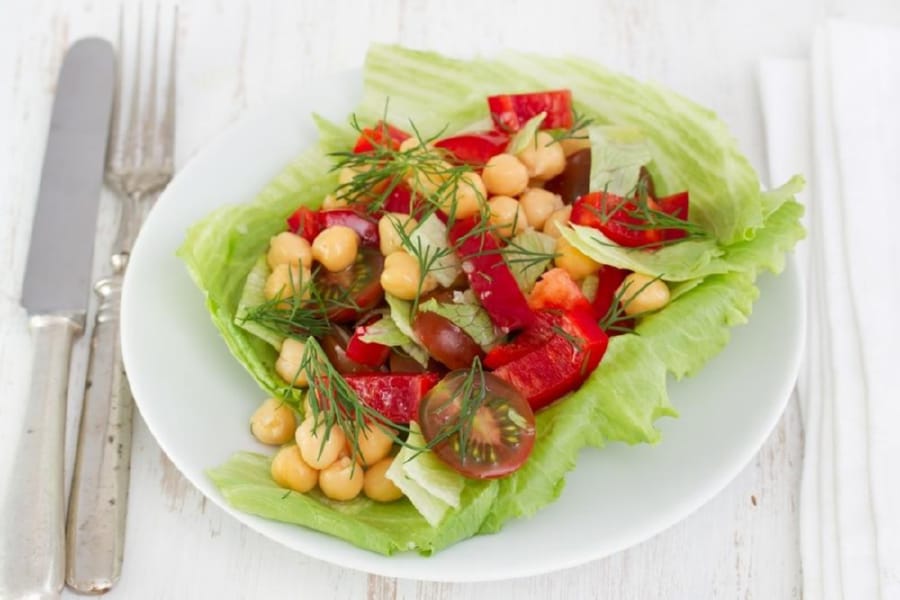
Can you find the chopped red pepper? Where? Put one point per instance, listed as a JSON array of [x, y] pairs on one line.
[[489, 276], [561, 364], [309, 223], [477, 148], [380, 135], [608, 281], [511, 111], [677, 206], [532, 338], [557, 289], [371, 354], [619, 219], [396, 396]]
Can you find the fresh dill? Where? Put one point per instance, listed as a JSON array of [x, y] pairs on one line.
[[578, 130], [616, 318]]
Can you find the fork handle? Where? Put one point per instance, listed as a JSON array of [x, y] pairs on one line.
[[99, 497]]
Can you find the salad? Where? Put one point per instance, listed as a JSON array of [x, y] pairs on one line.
[[489, 266]]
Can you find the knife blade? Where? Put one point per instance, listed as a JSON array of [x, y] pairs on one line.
[[55, 294]]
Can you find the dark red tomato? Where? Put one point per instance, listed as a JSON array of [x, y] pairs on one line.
[[396, 396], [511, 111], [647, 180], [366, 353], [334, 343], [403, 363], [677, 206], [501, 432], [475, 149], [575, 180], [355, 290], [620, 219], [557, 290], [445, 341], [383, 134]]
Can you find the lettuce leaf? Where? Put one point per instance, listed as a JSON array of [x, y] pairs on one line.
[[690, 148], [617, 155], [468, 316]]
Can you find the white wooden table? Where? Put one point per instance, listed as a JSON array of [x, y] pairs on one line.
[[237, 55]]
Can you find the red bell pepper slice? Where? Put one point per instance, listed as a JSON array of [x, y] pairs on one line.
[[475, 149], [556, 289], [676, 205], [383, 134], [510, 112], [396, 395], [561, 364], [371, 354], [489, 276], [608, 281], [536, 335], [309, 223], [620, 219]]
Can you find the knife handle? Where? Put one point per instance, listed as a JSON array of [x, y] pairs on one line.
[[98, 501], [32, 514]]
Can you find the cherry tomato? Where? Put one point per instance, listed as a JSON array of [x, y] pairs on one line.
[[354, 290], [500, 433], [575, 180], [445, 340]]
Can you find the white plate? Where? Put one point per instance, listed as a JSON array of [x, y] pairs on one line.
[[196, 399]]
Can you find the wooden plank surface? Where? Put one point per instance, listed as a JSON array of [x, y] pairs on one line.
[[238, 55]]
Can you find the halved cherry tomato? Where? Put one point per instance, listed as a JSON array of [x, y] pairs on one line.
[[557, 290], [620, 219], [476, 148], [349, 293], [395, 395], [511, 111], [383, 134], [445, 340], [501, 432], [371, 354]]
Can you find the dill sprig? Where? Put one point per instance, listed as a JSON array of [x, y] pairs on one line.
[[333, 402], [471, 395]]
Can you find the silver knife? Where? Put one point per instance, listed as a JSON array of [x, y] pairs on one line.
[[55, 294]]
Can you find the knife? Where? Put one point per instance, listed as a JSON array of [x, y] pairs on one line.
[[55, 295]]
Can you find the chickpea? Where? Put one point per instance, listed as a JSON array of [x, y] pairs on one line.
[[544, 158], [289, 360], [538, 205], [273, 422], [378, 487], [289, 248], [374, 444], [347, 174], [505, 175], [389, 239], [427, 180], [558, 218], [578, 141], [465, 197], [335, 247], [506, 217], [290, 471], [316, 450], [401, 276], [411, 143], [285, 281], [331, 201], [342, 480], [641, 294], [573, 261]]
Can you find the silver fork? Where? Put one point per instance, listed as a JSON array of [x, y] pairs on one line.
[[139, 165]]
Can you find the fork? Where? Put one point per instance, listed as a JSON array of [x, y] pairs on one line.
[[139, 165]]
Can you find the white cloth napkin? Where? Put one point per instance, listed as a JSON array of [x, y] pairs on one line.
[[836, 118]]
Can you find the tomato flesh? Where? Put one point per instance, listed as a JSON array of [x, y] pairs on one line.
[[395, 395], [510, 112], [475, 149], [501, 433], [557, 290]]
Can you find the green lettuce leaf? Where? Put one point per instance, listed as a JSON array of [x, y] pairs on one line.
[[617, 155], [385, 331], [526, 135], [528, 254], [401, 314]]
